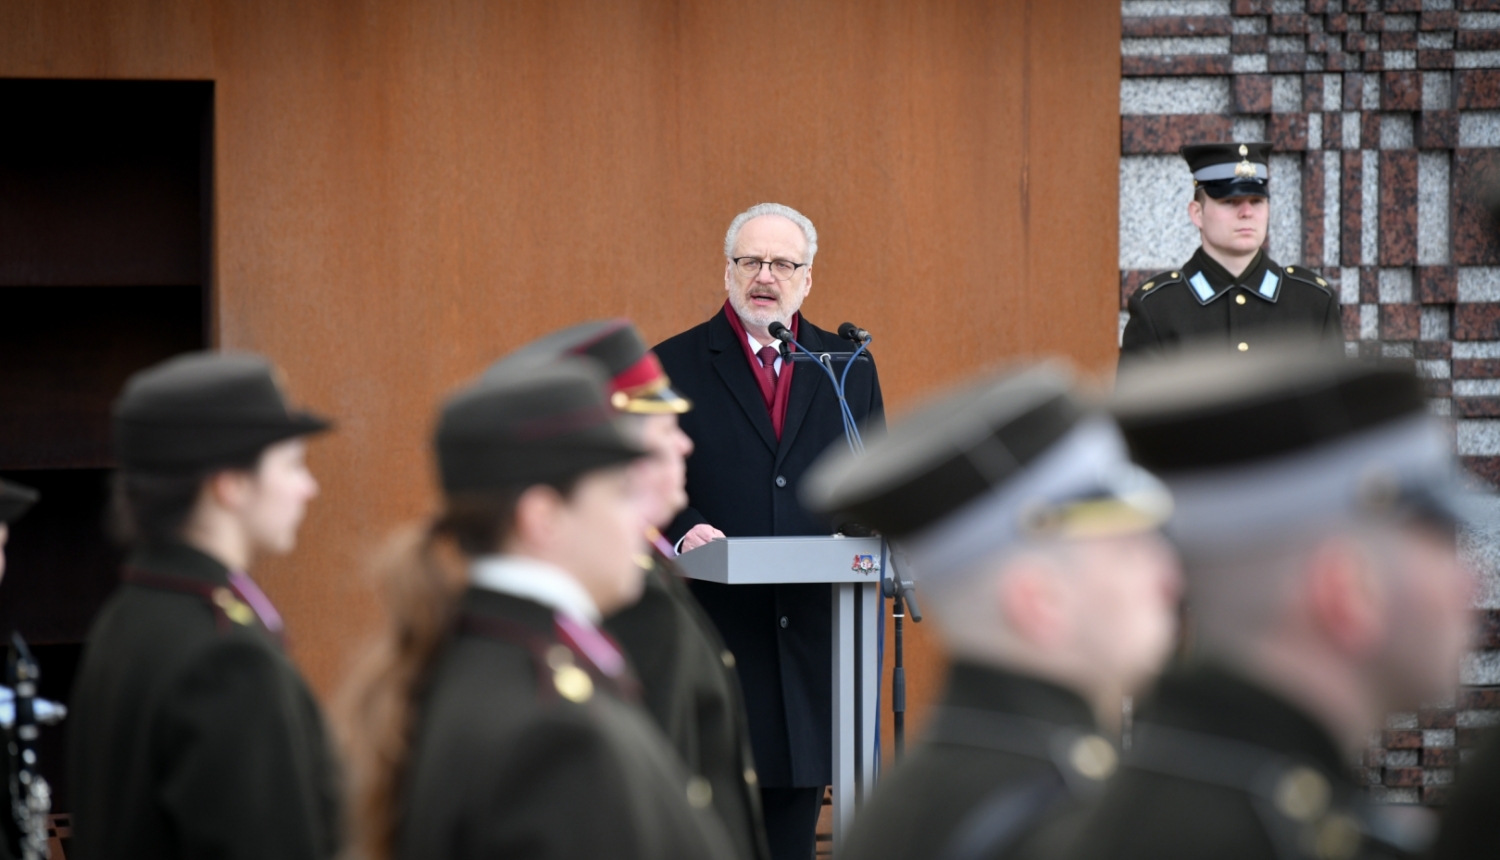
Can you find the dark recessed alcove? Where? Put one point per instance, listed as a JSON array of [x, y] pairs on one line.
[[105, 258]]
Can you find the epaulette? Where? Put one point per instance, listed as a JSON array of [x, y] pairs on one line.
[[1307, 276], [226, 605], [1159, 280]]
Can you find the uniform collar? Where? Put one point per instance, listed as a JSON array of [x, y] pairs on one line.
[[977, 687], [537, 581], [1214, 701], [179, 559], [1208, 280]]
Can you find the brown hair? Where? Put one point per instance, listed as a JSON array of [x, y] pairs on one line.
[[421, 573]]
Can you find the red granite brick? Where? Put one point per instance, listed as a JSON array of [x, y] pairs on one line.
[[1401, 739], [1369, 285], [1333, 129], [1473, 229], [1402, 5], [1487, 468], [1476, 368], [1374, 21], [1398, 207], [1248, 43], [1440, 756], [1252, 93], [1354, 88], [1289, 23], [1336, 23], [1476, 321], [1435, 59], [1351, 217], [1437, 129], [1400, 322], [1358, 42], [1349, 320], [1312, 207], [1438, 387], [1339, 62], [1437, 285], [1251, 7], [1433, 349], [1476, 88], [1130, 281], [1479, 699], [1400, 92], [1319, 7], [1479, 5], [1146, 26], [1478, 40], [1181, 64], [1369, 130], [1369, 350], [1286, 62], [1312, 92], [1437, 718], [1288, 132], [1402, 777], [1398, 40], [1435, 795], [1444, 20], [1167, 134]]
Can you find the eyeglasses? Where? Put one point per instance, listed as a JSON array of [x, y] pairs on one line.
[[781, 270]]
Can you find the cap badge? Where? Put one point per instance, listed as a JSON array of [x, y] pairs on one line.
[[1244, 170], [865, 564]]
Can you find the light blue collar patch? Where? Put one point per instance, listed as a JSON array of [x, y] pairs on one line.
[[1269, 285], [1201, 287]]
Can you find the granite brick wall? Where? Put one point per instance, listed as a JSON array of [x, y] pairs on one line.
[[1384, 116]]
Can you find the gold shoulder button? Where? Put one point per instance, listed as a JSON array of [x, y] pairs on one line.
[[1290, 270], [728, 658], [1302, 794], [700, 793], [237, 610], [644, 561], [1176, 275], [573, 684], [751, 777], [1093, 757]]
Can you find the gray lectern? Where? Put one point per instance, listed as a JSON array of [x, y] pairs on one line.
[[852, 565]]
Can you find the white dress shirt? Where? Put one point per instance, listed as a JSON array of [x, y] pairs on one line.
[[537, 581]]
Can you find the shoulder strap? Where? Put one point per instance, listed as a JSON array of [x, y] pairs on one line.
[[572, 675], [227, 608], [1307, 276], [1003, 817], [1157, 281]]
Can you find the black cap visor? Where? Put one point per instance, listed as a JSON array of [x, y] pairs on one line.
[[1236, 188]]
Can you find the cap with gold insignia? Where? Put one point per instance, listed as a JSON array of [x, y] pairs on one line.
[[15, 500], [1286, 439], [637, 382], [1230, 169], [204, 409], [1012, 456], [530, 424]]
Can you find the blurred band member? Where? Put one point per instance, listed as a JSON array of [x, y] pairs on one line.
[[760, 421], [1315, 511], [15, 501], [494, 719], [192, 734], [1034, 541]]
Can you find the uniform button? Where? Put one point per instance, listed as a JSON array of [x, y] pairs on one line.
[[780, 481], [1239, 300], [750, 777], [728, 659], [1244, 347], [783, 621], [699, 793]]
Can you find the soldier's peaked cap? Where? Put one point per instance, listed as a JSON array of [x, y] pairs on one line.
[[1230, 169], [637, 382], [1013, 455], [527, 424], [204, 409], [15, 500]]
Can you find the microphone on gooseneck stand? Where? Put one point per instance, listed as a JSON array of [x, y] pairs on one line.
[[850, 331], [779, 331]]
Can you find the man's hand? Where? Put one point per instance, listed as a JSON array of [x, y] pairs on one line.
[[699, 535]]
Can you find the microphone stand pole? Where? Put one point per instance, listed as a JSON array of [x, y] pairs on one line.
[[902, 592]]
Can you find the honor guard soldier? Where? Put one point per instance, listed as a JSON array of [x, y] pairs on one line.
[[1230, 292], [497, 719], [687, 676], [192, 733], [1315, 509], [1034, 537]]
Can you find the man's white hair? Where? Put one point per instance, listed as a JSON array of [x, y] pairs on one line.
[[809, 232]]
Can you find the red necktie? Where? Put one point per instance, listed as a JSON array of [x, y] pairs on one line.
[[768, 356]]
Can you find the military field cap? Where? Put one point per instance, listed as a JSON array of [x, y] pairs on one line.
[[1230, 169], [637, 382], [204, 409], [530, 424], [1287, 439], [15, 500], [1012, 456]]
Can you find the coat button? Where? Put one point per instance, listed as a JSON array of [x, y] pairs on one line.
[[1244, 347], [728, 659], [780, 481], [783, 621], [1239, 300]]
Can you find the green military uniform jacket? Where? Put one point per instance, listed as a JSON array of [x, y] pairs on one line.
[[690, 688], [1203, 302], [191, 733], [1001, 756], [526, 748], [1221, 768]]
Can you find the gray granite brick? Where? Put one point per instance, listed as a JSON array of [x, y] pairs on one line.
[[1371, 100], [1349, 285], [1395, 350], [1350, 131], [1480, 668], [1479, 20], [1287, 44], [1437, 90], [1332, 208], [1369, 322], [1476, 60], [1254, 128], [1401, 720], [1478, 284], [1155, 232], [1476, 387], [1432, 208], [1169, 46], [1479, 437], [1174, 7], [1434, 326], [1249, 26], [1185, 95], [1434, 369], [1286, 93], [1437, 776], [1438, 738], [1477, 719], [1400, 758], [1248, 64], [1395, 286], [1369, 237], [1439, 41], [1479, 128], [1396, 131], [1286, 208], [1476, 349], [1333, 92], [1401, 23]]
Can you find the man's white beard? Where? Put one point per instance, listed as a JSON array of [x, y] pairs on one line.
[[757, 317]]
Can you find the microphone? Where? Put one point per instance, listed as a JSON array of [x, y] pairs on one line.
[[780, 332], [850, 331]]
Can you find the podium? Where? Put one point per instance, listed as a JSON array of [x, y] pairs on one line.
[[852, 567]]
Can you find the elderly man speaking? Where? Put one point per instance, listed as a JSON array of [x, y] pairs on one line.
[[760, 422]]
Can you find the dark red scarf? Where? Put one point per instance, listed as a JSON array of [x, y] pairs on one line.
[[777, 398]]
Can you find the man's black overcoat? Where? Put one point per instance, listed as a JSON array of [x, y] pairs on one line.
[[513, 758], [191, 733], [741, 480]]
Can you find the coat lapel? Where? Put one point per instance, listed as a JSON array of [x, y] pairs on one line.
[[729, 362], [805, 384]]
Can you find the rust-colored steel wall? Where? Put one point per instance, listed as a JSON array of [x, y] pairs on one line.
[[407, 189]]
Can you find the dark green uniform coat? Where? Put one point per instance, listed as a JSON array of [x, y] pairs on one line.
[[1220, 768], [690, 688], [516, 755], [994, 765], [1202, 301], [1471, 823], [191, 733]]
